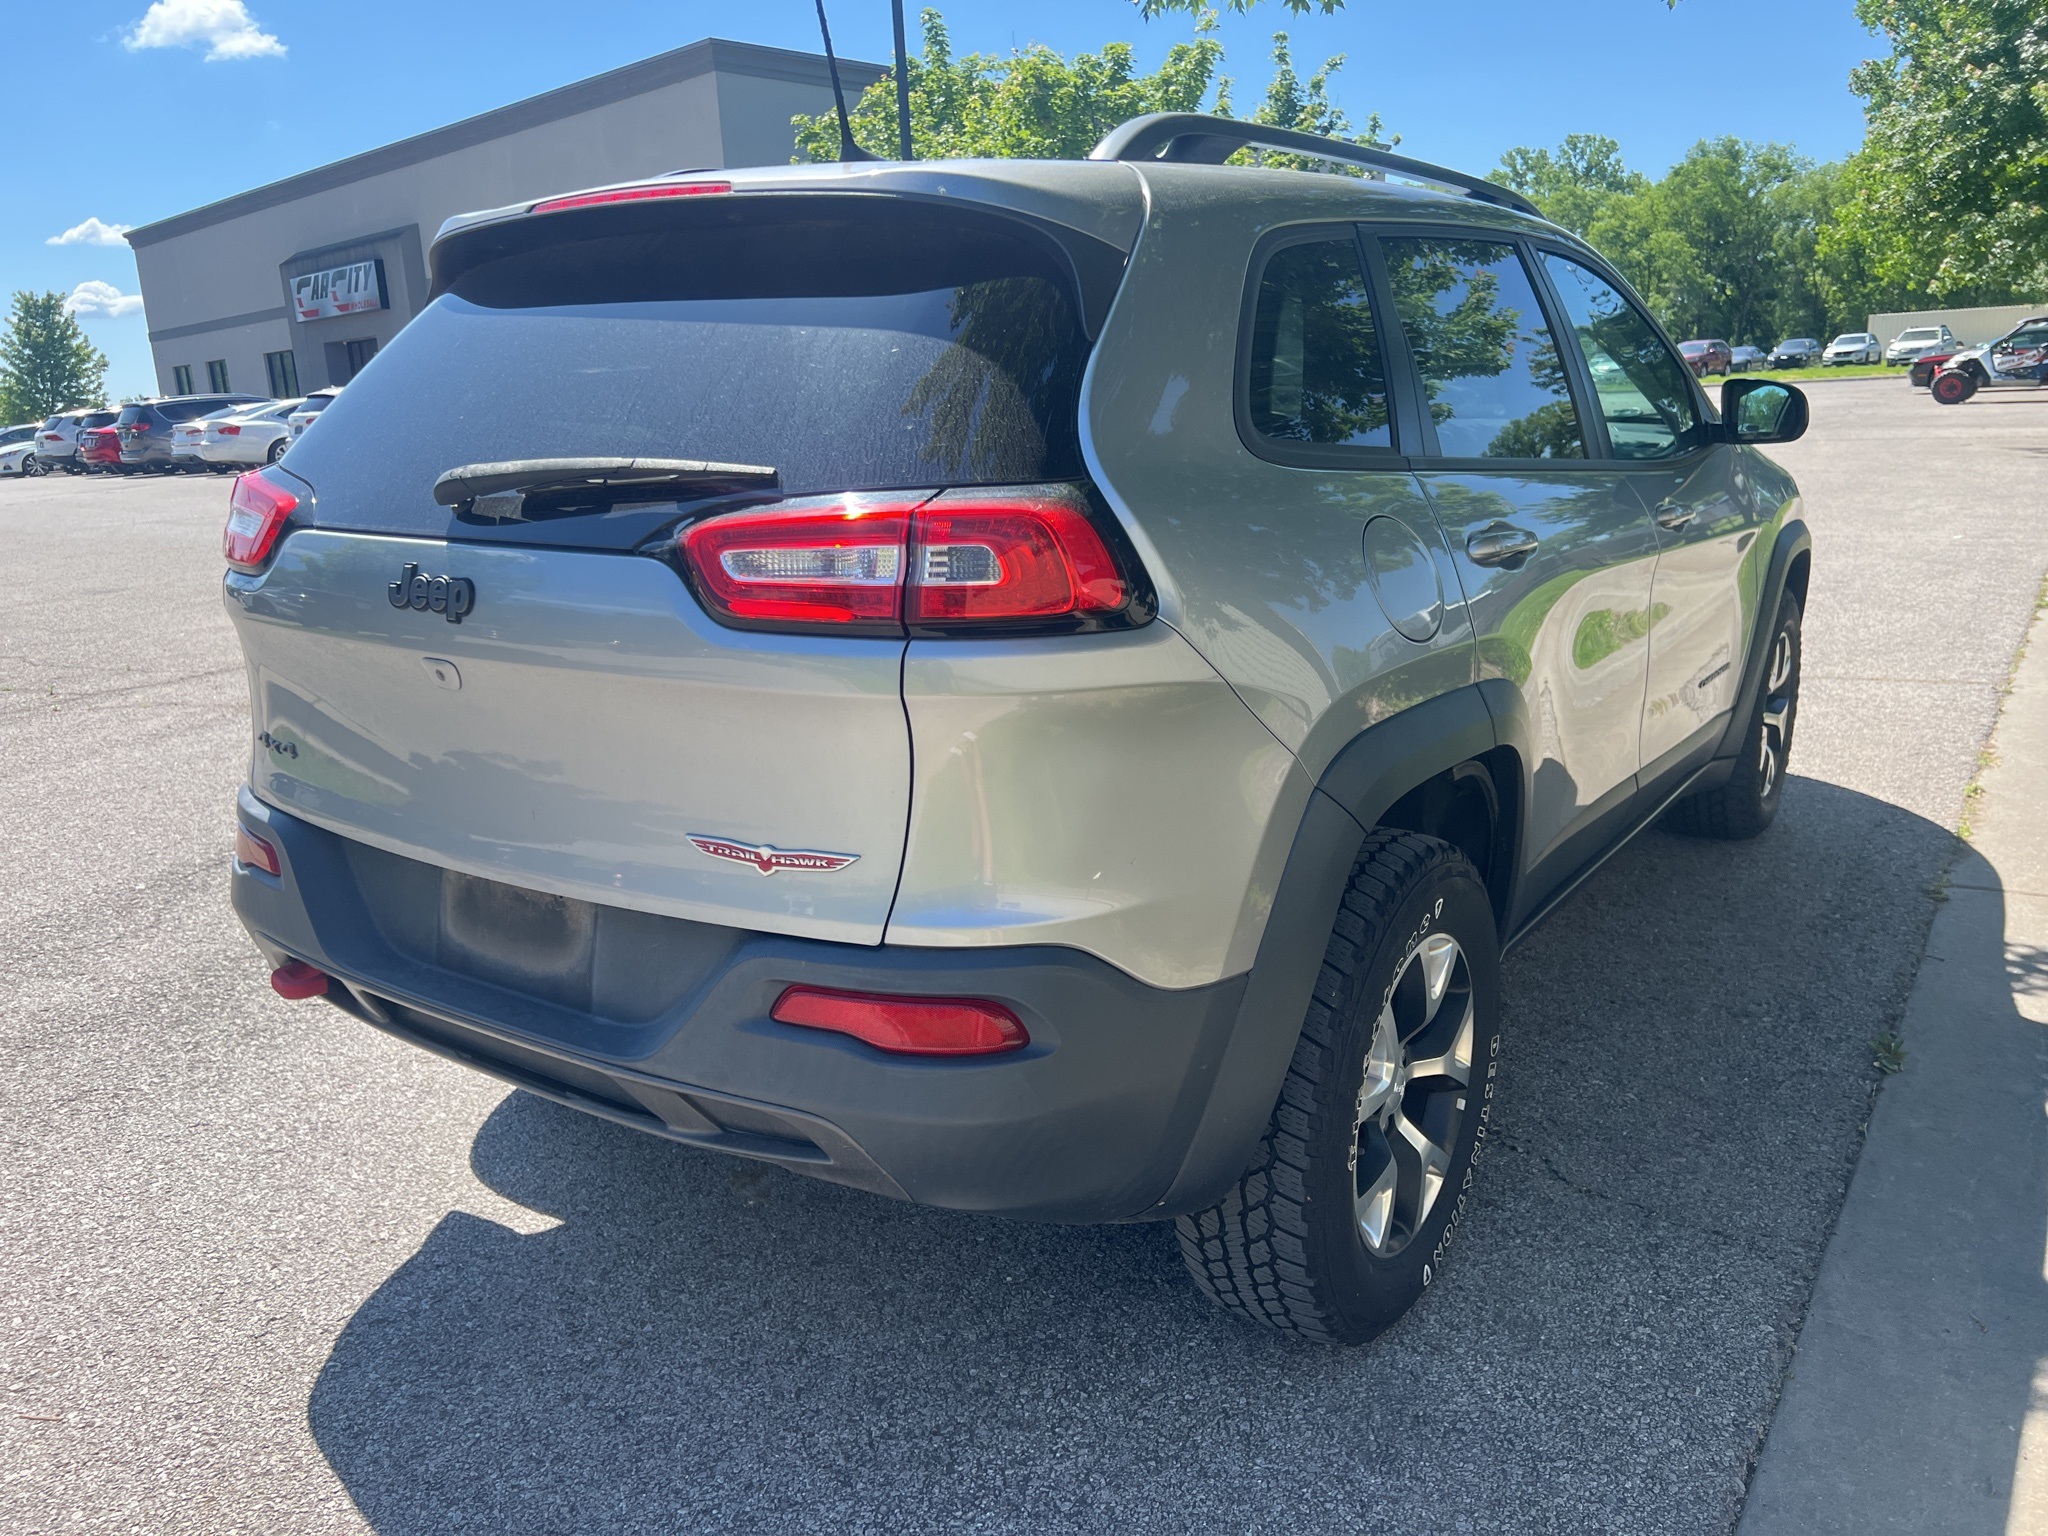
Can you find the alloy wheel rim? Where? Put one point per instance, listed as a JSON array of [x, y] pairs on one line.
[[1771, 749], [1413, 1097]]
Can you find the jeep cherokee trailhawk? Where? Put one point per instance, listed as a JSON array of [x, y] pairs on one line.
[[1037, 688]]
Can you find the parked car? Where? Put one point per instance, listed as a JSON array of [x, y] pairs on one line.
[[1919, 341], [1852, 347], [2016, 360], [146, 426], [187, 435], [1705, 357], [18, 450], [99, 450], [312, 406], [57, 443], [901, 795], [1799, 352], [248, 437], [1747, 359]]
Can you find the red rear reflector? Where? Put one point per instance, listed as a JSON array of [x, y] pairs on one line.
[[256, 511], [254, 852], [948, 562], [633, 195], [295, 979], [914, 1026]]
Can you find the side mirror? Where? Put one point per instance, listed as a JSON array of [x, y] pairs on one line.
[[1762, 411]]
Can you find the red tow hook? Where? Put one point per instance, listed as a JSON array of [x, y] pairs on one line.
[[295, 979]]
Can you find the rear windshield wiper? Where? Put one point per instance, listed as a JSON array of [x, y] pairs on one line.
[[501, 491]]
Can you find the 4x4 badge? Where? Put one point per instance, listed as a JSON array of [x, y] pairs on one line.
[[452, 595], [767, 859]]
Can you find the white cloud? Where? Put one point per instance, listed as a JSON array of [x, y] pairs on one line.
[[91, 232], [224, 27], [93, 297]]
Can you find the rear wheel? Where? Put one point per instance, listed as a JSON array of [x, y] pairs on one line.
[[276, 452], [1748, 801], [1953, 388], [1355, 1191]]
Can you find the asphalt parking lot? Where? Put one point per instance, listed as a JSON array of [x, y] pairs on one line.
[[266, 1270]]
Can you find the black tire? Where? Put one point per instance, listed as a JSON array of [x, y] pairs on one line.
[[1952, 388], [1289, 1245], [276, 451], [31, 466], [1748, 801]]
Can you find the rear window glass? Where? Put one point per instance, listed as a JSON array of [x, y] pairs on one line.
[[847, 343], [1316, 373], [1490, 367]]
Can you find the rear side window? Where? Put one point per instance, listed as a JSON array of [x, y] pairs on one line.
[[1316, 372], [1641, 388], [1492, 378], [847, 343]]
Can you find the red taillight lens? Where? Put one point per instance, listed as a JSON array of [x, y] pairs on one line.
[[254, 852], [230, 430], [256, 512], [53, 437], [633, 195], [873, 565], [1007, 560], [912, 1026], [836, 561]]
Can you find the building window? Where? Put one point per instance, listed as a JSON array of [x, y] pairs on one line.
[[283, 369], [217, 376], [181, 379], [359, 354]]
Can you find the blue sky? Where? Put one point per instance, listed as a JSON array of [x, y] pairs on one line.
[[155, 108]]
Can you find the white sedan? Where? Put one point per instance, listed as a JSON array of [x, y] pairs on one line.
[[1854, 347], [185, 436], [255, 435], [18, 450]]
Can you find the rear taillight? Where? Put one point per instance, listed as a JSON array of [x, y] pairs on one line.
[[910, 1026], [884, 565], [633, 195], [256, 512], [53, 437], [230, 431]]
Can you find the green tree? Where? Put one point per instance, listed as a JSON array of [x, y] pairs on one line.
[[46, 364], [1954, 169], [1573, 184], [1036, 104]]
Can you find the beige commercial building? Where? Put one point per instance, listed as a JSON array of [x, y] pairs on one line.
[[295, 285]]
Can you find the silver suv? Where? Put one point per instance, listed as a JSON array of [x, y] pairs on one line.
[[1036, 688]]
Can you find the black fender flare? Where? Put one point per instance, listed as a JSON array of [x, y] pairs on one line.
[[1794, 542], [1377, 768]]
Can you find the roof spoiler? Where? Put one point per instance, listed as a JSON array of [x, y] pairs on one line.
[[1190, 138]]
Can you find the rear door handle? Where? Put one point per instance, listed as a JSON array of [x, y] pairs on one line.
[[1499, 544], [1670, 515]]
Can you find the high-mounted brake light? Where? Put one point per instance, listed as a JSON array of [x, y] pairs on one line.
[[633, 195], [874, 565], [256, 511], [909, 1026]]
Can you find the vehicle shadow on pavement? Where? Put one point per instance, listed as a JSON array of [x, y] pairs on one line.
[[710, 1344]]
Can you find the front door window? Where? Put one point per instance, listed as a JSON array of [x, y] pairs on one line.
[[1642, 389]]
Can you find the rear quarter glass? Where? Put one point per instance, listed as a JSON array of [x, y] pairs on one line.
[[849, 343]]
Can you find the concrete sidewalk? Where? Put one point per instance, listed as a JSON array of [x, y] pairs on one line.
[[1918, 1400]]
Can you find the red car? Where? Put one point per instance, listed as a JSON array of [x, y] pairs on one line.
[[1921, 374], [99, 448], [1705, 357]]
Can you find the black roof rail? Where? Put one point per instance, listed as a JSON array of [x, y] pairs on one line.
[[1190, 138]]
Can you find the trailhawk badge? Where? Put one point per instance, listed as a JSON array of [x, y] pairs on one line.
[[768, 860]]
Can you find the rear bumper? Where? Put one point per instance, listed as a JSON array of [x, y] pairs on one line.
[[663, 1025]]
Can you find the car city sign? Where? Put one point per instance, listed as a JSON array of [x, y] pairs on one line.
[[346, 290]]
